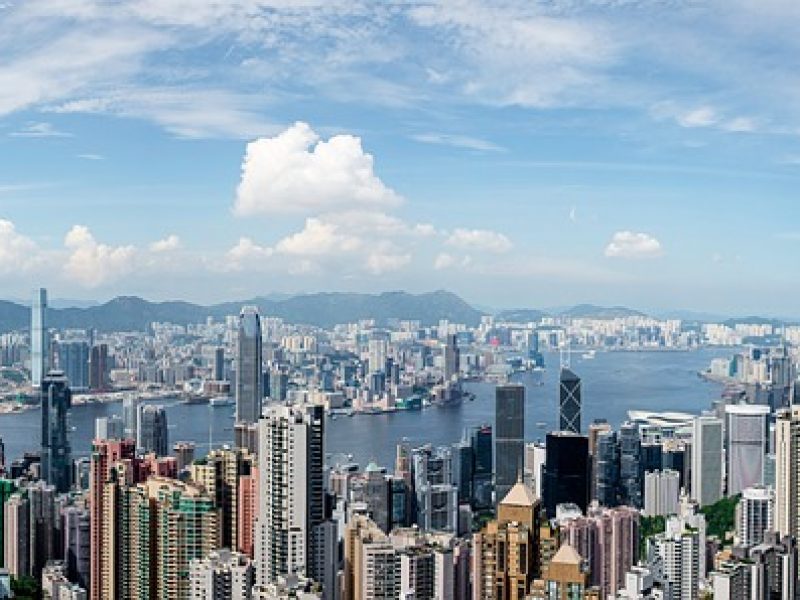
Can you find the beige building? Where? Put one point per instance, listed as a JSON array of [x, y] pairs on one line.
[[564, 578]]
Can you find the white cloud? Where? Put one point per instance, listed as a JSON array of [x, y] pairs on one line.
[[91, 156], [704, 116], [318, 238], [458, 141], [17, 252], [168, 244], [38, 129], [91, 263], [628, 244], [479, 239], [445, 260], [246, 253], [296, 172], [385, 260]]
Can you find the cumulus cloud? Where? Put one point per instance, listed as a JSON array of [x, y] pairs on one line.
[[628, 244], [445, 260], [246, 253], [91, 263], [386, 260], [296, 172], [168, 244], [16, 250], [479, 239], [39, 130], [318, 238]]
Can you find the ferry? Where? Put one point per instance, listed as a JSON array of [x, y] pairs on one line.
[[221, 401]]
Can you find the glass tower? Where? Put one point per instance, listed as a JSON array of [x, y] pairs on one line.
[[39, 338], [509, 437], [249, 374], [56, 400], [569, 401]]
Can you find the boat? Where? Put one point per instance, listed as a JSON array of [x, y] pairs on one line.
[[221, 401], [589, 354]]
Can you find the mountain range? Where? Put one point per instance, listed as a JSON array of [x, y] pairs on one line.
[[131, 313]]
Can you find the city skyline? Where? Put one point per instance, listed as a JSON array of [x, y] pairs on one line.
[[558, 185]]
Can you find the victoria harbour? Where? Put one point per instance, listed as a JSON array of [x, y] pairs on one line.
[[614, 382]]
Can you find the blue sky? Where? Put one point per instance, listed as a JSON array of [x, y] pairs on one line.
[[518, 153]]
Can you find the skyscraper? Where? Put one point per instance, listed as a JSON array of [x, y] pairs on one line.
[[706, 460], [109, 428], [569, 401], [509, 437], [566, 471], [73, 359], [153, 434], [98, 368], [249, 373], [40, 338], [787, 472], [606, 462], [222, 575], [755, 514], [56, 400], [661, 493], [130, 416], [678, 551], [290, 503], [219, 364], [451, 357], [746, 433]]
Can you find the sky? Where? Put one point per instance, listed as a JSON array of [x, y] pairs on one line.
[[519, 153]]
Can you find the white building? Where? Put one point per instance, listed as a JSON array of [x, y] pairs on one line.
[[222, 575], [787, 461], [706, 460], [675, 556], [746, 432], [754, 515], [661, 493]]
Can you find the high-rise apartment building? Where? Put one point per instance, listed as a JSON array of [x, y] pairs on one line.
[[569, 401], [109, 428], [566, 471], [787, 472], [219, 473], [505, 551], [746, 434], [509, 456], [291, 495], [677, 552], [56, 400], [706, 460], [249, 372], [222, 575], [7, 488], [40, 338], [565, 577], [755, 515], [77, 544], [152, 430], [17, 535]]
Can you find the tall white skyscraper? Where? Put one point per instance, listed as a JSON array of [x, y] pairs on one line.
[[249, 370], [40, 338], [706, 460], [290, 531], [787, 472], [746, 432], [754, 515], [677, 551]]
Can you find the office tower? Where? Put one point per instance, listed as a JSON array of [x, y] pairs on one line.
[[374, 489], [40, 338], [564, 577], [249, 373], [378, 349], [16, 540], [245, 435], [99, 368], [462, 455], [77, 544], [452, 359], [291, 493], [706, 460], [184, 454], [596, 428], [130, 416], [677, 551], [73, 359], [746, 433], [165, 525], [754, 515], [504, 552], [7, 489], [650, 456], [222, 575], [482, 467], [219, 474], [44, 525], [608, 540], [219, 364], [535, 456], [436, 494], [775, 563], [661, 493], [248, 512], [278, 385], [566, 471], [674, 456], [103, 499], [109, 428], [152, 430], [606, 461], [56, 400], [509, 437], [630, 468], [569, 401]]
